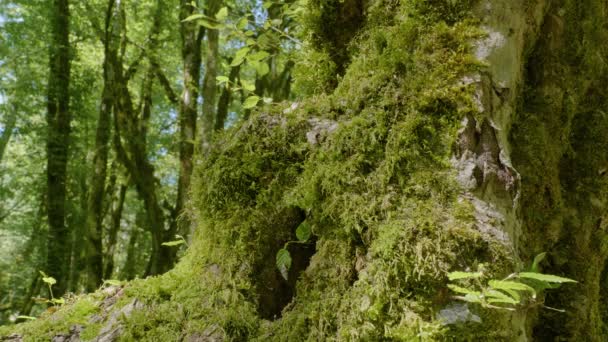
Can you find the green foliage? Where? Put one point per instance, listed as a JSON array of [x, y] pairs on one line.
[[516, 291]]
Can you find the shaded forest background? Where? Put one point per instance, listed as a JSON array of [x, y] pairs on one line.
[[102, 104]]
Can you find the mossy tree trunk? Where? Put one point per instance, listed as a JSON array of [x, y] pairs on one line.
[[457, 134]]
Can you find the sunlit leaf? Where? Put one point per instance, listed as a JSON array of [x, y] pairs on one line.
[[194, 17], [210, 23], [249, 86], [173, 243], [222, 79], [112, 282], [546, 277], [242, 24], [239, 56], [462, 290], [258, 55], [222, 14], [463, 275], [251, 102], [511, 285]]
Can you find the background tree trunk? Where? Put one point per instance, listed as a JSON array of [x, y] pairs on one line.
[[58, 119]]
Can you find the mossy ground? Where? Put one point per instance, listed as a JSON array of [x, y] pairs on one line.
[[378, 191]]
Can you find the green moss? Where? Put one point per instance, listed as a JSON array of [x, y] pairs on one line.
[[56, 320], [378, 191]]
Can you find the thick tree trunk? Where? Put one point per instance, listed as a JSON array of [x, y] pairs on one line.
[[58, 119]]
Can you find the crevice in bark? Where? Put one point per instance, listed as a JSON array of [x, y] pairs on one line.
[[274, 292]]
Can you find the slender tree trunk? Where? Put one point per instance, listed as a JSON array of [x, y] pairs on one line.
[[113, 232], [224, 102], [209, 81], [191, 36], [58, 119]]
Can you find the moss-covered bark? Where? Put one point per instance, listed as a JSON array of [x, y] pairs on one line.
[[460, 133]]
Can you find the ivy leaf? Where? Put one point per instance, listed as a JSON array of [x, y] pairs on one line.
[[222, 14], [251, 102], [463, 275], [283, 262], [194, 17], [303, 231], [546, 277]]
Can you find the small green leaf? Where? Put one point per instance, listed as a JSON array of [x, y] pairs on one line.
[[550, 278], [239, 56], [249, 33], [249, 86], [173, 243], [268, 100], [511, 285], [462, 290], [502, 300], [47, 279], [194, 17], [222, 79], [210, 24], [222, 14], [258, 56], [242, 24], [303, 232], [537, 261], [261, 68], [250, 42], [283, 262], [495, 294], [470, 297], [463, 275], [276, 22], [59, 301], [112, 282], [251, 102], [27, 317]]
